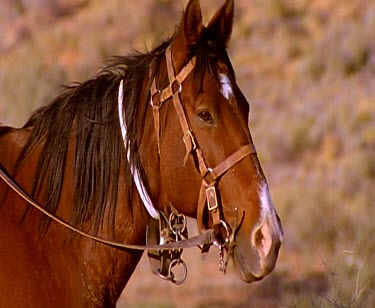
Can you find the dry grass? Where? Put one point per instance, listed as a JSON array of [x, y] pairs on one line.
[[307, 68]]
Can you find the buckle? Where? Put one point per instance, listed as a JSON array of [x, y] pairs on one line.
[[175, 86], [211, 196], [158, 92], [225, 239]]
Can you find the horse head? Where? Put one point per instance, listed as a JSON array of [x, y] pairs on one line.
[[204, 147]]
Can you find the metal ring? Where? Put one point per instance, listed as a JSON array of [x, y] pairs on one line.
[[183, 225], [171, 275], [226, 240], [160, 275]]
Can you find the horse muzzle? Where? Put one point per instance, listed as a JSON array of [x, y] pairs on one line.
[[253, 262]]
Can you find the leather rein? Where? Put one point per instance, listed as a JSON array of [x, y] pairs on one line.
[[205, 238]]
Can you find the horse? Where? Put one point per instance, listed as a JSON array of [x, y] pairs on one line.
[[159, 133]]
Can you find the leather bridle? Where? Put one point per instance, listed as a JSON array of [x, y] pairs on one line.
[[210, 176]]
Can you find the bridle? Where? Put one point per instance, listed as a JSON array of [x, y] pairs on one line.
[[208, 191], [210, 176]]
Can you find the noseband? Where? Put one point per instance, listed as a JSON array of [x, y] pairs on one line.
[[210, 176]]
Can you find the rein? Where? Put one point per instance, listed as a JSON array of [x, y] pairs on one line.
[[205, 238]]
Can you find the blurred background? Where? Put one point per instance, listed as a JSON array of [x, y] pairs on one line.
[[308, 71]]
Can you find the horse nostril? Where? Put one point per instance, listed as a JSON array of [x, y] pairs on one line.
[[262, 239], [259, 239]]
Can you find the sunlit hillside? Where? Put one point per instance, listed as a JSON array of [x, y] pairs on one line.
[[308, 71]]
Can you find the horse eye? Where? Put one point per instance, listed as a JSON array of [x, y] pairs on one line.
[[205, 116]]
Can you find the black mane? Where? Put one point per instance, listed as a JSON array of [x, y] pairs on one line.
[[88, 114]]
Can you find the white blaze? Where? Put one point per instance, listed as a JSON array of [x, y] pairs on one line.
[[267, 208], [226, 87]]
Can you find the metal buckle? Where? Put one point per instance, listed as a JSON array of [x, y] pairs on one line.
[[182, 272], [211, 196], [152, 99], [177, 224], [227, 235], [172, 85]]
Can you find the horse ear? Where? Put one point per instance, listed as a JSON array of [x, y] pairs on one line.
[[192, 22], [189, 33], [191, 27], [221, 23]]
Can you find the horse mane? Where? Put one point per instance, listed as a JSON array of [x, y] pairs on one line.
[[87, 114]]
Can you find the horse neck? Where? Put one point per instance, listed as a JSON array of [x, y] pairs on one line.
[[107, 270], [112, 265], [98, 273]]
